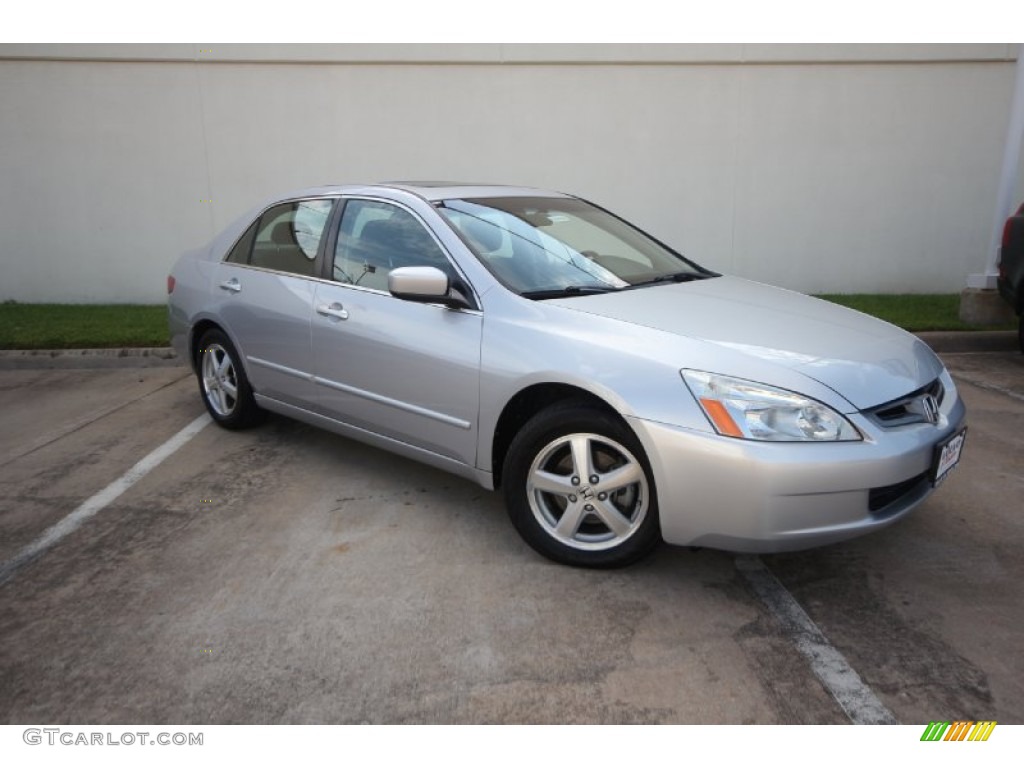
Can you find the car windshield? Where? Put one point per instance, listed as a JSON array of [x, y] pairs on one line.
[[542, 247]]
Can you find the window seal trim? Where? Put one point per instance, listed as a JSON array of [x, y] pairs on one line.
[[329, 256]]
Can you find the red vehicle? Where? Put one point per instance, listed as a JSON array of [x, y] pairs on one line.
[[1011, 268]]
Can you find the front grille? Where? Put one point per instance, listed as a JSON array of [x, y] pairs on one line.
[[909, 409], [880, 498]]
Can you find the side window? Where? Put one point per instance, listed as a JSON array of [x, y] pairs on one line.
[[375, 237], [288, 236], [240, 253]]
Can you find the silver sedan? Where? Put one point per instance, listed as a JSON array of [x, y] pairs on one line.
[[618, 393]]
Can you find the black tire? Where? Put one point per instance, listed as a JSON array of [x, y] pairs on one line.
[[223, 384], [1020, 333], [574, 520]]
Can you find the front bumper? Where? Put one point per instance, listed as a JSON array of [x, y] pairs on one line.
[[748, 496]]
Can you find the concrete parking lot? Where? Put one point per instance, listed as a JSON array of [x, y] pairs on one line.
[[287, 575]]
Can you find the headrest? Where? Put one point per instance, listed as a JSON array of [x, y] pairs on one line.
[[282, 233]]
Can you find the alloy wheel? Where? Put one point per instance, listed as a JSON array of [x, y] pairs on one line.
[[220, 382], [588, 491]]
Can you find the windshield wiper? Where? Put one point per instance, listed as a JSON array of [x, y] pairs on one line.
[[569, 290], [674, 277]]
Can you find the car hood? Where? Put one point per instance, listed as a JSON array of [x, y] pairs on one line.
[[863, 359]]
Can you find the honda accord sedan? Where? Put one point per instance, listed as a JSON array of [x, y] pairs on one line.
[[617, 393]]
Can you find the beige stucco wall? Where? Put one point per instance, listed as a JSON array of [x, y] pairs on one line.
[[821, 168]]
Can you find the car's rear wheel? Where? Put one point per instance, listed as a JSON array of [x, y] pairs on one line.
[[579, 489], [223, 384]]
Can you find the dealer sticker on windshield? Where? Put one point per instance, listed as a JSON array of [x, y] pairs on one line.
[[947, 455]]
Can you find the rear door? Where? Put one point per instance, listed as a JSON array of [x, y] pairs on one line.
[[401, 369], [266, 290]]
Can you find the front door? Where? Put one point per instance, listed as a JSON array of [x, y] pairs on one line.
[[397, 368]]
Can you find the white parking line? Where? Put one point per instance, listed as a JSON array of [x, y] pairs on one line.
[[94, 504], [857, 700]]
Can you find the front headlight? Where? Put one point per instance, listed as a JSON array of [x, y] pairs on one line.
[[752, 411]]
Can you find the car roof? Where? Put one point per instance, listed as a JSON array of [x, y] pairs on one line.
[[433, 190]]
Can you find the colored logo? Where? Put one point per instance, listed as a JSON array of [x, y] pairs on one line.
[[961, 730]]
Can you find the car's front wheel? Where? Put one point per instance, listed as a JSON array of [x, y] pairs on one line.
[[579, 489], [223, 384]]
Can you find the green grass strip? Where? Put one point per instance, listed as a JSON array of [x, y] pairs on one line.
[[912, 311], [81, 326]]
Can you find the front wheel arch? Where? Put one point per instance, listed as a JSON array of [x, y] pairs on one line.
[[526, 404]]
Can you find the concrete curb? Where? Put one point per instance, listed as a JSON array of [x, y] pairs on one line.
[[970, 341], [126, 357], [160, 357]]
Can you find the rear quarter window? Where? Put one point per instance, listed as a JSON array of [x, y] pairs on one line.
[[243, 248]]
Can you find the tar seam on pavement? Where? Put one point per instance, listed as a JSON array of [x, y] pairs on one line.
[[91, 420], [990, 387]]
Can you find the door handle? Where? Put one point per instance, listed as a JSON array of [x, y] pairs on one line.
[[334, 310], [231, 285]]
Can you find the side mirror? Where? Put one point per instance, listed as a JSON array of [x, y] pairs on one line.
[[426, 285]]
